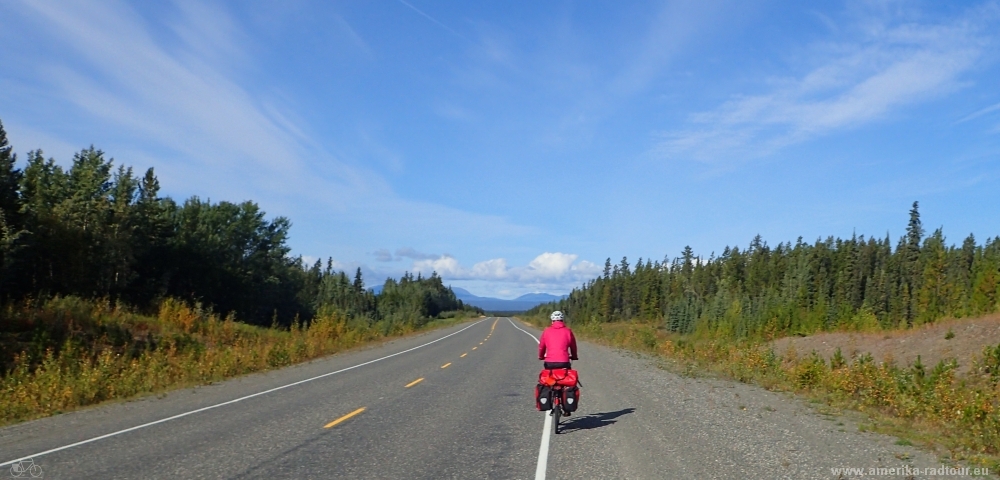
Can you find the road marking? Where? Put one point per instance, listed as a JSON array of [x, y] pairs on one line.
[[543, 450], [192, 412], [345, 417], [408, 385], [446, 365], [463, 355], [474, 348], [517, 327]]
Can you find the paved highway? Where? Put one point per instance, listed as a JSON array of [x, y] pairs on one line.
[[454, 403]]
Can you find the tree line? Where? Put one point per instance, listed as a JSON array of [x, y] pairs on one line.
[[95, 230], [800, 288]]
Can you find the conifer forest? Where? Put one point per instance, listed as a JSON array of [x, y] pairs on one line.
[[100, 230], [764, 291]]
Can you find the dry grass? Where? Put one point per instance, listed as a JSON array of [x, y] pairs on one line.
[[71, 352]]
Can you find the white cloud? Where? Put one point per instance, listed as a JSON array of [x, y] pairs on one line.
[[551, 264], [490, 269], [445, 266], [861, 81], [547, 268]]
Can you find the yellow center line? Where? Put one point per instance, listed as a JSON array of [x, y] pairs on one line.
[[345, 417], [464, 354], [474, 348], [408, 385], [446, 365]]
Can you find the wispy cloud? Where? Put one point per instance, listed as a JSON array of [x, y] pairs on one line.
[[863, 80], [181, 101], [185, 100], [432, 19], [979, 113], [669, 33]]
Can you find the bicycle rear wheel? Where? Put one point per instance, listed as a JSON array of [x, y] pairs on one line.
[[556, 412]]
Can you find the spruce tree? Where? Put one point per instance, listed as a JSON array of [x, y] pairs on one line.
[[359, 283], [10, 211], [914, 230], [10, 179]]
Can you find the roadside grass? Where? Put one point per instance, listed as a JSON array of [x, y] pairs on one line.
[[929, 406], [67, 352]]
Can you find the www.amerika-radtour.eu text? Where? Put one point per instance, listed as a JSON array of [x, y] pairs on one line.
[[907, 471]]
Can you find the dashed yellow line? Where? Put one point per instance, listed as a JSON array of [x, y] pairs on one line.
[[408, 385], [345, 417], [446, 365], [474, 348], [463, 355]]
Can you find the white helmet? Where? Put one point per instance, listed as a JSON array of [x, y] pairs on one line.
[[557, 316]]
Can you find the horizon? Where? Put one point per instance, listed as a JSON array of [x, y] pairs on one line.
[[512, 150]]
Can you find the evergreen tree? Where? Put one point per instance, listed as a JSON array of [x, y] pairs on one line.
[[11, 233], [10, 180], [914, 229]]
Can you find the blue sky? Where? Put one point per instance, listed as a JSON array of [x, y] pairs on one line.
[[512, 147]]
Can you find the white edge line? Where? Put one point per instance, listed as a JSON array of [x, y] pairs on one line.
[[192, 412], [512, 323], [543, 451]]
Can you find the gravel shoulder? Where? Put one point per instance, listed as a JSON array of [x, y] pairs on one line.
[[637, 420]]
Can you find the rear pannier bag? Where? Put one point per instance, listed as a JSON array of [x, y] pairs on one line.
[[543, 397], [570, 398], [558, 376]]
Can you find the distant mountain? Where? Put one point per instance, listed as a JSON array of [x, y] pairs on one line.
[[490, 304], [539, 297], [519, 304]]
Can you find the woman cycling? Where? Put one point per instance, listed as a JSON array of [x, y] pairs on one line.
[[557, 345]]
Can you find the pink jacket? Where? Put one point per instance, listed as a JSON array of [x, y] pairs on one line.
[[555, 342]]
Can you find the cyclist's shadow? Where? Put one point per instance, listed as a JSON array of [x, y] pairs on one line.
[[594, 420]]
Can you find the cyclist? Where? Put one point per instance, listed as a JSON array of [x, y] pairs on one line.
[[557, 345]]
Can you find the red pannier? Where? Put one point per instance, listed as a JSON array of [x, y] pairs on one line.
[[566, 377]]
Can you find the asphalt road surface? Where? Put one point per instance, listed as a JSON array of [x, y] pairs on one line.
[[454, 403]]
